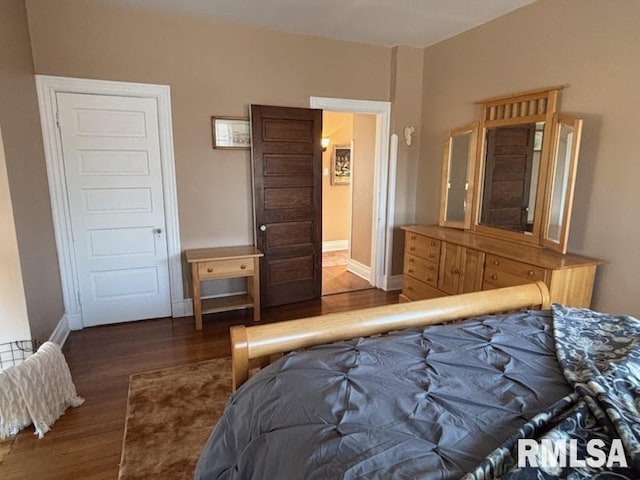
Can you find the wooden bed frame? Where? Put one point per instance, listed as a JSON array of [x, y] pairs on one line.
[[261, 341]]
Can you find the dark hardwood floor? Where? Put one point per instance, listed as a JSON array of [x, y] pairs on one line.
[[86, 442]]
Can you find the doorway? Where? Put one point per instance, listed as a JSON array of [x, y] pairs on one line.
[[75, 204], [382, 169], [347, 201]]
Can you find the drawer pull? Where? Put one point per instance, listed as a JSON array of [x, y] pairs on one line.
[[411, 270], [409, 288], [496, 262], [411, 260], [412, 248], [209, 269], [243, 267], [413, 237], [531, 273], [494, 277]]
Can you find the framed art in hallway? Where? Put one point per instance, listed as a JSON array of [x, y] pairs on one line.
[[341, 165], [231, 133]]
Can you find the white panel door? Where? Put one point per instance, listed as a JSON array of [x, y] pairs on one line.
[[114, 181]]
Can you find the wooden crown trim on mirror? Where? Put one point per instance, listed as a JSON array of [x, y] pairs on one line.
[[527, 107]]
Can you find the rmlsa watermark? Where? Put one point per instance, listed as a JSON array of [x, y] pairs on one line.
[[564, 453]]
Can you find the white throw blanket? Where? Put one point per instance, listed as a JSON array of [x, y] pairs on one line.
[[37, 391]]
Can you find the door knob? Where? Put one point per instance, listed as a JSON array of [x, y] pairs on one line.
[[157, 231], [263, 228]]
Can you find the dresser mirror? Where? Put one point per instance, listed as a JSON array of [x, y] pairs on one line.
[[457, 176], [511, 170], [512, 174], [566, 135]]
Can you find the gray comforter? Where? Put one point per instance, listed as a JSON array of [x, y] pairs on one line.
[[423, 403]]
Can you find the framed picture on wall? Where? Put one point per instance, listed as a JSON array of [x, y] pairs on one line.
[[341, 165], [231, 133]]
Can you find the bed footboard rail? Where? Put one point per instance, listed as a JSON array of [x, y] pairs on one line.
[[262, 340]]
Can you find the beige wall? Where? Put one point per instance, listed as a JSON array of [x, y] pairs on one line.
[[590, 46], [27, 172], [364, 141], [407, 106], [338, 127], [213, 69], [14, 322]]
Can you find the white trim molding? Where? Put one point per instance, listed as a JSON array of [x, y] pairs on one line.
[[391, 208], [359, 269], [48, 87], [392, 283], [382, 111], [181, 308], [61, 332], [335, 245]]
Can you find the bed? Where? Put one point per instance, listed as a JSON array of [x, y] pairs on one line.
[[435, 389]]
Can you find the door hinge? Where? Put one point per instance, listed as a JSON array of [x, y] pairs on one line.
[[79, 298], [58, 119]]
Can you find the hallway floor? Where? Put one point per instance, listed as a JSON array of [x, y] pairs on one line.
[[336, 278]]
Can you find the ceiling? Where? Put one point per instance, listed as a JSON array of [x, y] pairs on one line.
[[417, 23]]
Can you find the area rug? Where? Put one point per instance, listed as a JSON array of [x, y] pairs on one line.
[[170, 413], [335, 258]]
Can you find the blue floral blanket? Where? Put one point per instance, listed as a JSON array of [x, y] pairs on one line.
[[599, 423]]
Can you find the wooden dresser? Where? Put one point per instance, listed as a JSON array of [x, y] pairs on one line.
[[442, 261]]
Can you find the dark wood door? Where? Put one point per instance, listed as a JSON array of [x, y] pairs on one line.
[[507, 182], [287, 180]]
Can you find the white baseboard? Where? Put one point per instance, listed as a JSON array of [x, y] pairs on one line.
[[74, 320], [181, 308], [187, 308], [333, 245], [187, 303], [392, 282], [359, 269], [61, 332]]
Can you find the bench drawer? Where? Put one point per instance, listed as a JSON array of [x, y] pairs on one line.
[[226, 268]]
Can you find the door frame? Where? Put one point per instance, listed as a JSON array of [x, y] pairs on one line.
[[381, 242], [47, 87]]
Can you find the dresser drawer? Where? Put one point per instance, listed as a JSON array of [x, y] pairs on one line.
[[502, 272], [416, 290], [423, 247], [421, 269], [238, 267]]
